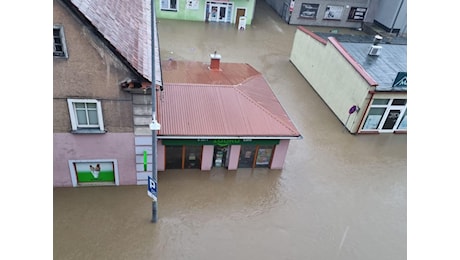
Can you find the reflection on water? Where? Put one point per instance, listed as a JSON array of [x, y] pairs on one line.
[[339, 196]]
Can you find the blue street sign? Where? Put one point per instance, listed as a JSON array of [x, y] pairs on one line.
[[152, 188]]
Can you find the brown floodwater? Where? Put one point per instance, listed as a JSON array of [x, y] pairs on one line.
[[339, 196]]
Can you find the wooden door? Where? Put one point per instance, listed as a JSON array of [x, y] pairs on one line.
[[239, 12]]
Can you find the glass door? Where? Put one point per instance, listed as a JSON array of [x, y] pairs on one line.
[[219, 12]]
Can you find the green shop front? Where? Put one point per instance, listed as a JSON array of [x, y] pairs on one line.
[[229, 153]]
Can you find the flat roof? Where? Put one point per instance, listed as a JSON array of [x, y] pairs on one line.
[[382, 68]]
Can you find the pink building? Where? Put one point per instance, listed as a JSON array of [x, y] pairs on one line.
[[220, 115]]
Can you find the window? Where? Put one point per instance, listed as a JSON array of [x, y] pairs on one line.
[[403, 124], [264, 155], [59, 46], [168, 5], [357, 13], [100, 172], [386, 115], [86, 115], [308, 10], [333, 12]]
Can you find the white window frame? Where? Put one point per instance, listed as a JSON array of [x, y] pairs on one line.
[[63, 42], [74, 120], [388, 107], [165, 5]]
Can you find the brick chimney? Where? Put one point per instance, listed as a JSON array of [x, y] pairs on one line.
[[215, 61]]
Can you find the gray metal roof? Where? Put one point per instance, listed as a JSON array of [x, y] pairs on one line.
[[383, 68]]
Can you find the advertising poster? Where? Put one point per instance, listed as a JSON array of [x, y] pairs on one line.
[[333, 12], [308, 10], [192, 4], [94, 172]]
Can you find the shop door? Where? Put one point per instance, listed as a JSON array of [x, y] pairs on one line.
[[220, 156], [220, 12], [239, 12], [174, 157]]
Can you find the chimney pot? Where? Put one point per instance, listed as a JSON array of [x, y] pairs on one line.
[[377, 39], [215, 61]]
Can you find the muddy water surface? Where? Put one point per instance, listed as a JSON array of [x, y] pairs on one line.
[[339, 196]]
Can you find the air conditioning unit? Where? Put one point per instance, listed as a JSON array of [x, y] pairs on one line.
[[374, 50]]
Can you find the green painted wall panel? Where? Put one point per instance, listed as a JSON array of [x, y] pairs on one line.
[[197, 13]]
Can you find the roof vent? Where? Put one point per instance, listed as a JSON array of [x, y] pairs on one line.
[[377, 39], [375, 49]]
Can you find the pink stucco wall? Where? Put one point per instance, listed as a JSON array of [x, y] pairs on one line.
[[280, 154], [206, 159], [117, 146], [234, 157], [160, 156]]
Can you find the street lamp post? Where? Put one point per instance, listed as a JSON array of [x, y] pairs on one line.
[[154, 126]]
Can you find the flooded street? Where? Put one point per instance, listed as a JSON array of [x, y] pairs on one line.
[[339, 196]]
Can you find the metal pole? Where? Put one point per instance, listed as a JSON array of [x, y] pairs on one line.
[[154, 133]]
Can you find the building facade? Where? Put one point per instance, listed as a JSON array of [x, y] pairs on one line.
[[362, 80], [341, 13], [221, 115], [238, 12], [94, 119], [391, 15], [102, 100]]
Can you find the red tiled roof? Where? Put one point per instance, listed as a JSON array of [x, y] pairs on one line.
[[235, 101], [126, 25]]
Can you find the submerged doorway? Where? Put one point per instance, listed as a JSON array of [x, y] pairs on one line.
[[220, 156], [219, 11]]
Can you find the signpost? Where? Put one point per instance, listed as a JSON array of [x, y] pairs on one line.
[[152, 188], [154, 126], [352, 109]]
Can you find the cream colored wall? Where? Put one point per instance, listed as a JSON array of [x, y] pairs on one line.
[[332, 77], [383, 95]]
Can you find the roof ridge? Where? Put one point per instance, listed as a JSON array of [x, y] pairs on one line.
[[282, 122]]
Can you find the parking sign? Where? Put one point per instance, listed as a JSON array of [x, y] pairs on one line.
[[152, 188]]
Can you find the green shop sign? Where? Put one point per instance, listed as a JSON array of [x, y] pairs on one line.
[[220, 142]]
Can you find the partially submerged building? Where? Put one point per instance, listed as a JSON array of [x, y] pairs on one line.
[[104, 73], [217, 114], [362, 79]]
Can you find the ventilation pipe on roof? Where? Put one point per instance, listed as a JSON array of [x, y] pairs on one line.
[[215, 61], [375, 49]]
